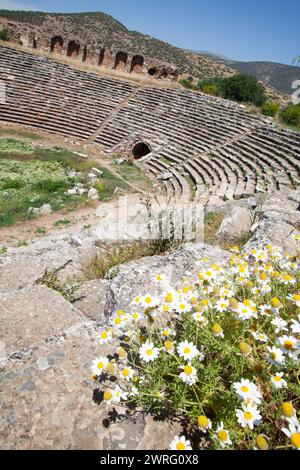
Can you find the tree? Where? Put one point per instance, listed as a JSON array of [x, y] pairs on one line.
[[244, 88]]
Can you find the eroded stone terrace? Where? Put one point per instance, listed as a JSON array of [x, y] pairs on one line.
[[199, 147]]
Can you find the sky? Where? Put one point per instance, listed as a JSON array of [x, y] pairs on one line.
[[238, 29]]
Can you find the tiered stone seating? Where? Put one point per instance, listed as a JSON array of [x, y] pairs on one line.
[[210, 149], [55, 97]]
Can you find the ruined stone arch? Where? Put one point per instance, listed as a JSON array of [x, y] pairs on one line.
[[57, 44], [73, 49], [104, 57], [140, 149], [121, 61], [153, 71], [137, 64]]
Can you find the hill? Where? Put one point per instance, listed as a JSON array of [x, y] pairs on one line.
[[276, 75], [101, 30]]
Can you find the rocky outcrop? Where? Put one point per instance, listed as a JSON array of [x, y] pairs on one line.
[[137, 277], [236, 224]]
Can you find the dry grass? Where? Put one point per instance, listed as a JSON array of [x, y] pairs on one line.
[[212, 223]]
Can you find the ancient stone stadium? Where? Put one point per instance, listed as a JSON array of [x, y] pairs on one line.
[[123, 342]]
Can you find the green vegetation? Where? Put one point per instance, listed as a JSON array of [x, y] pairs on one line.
[[270, 109], [291, 115], [3, 35], [241, 87], [32, 176]]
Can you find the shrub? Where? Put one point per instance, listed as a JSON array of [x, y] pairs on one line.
[[243, 88], [270, 109], [211, 89], [50, 185], [186, 84], [291, 115], [3, 35], [220, 354]]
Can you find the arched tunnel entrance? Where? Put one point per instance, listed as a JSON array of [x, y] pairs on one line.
[[140, 149]]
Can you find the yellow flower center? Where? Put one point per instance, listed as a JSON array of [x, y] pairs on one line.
[[110, 368], [180, 446], [222, 436], [277, 379], [203, 422], [104, 335], [169, 298], [122, 353], [118, 321], [187, 351], [217, 330], [168, 346], [262, 443], [182, 307], [100, 365], [149, 352], [245, 348], [188, 370], [125, 373], [245, 389], [107, 396], [296, 298], [248, 415], [275, 303], [295, 439], [289, 345], [148, 300], [287, 409]]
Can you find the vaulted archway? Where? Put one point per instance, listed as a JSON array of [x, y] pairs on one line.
[[57, 44], [137, 64], [121, 61], [73, 49], [140, 150]]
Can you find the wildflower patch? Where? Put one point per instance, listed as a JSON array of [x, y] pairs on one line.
[[220, 354]]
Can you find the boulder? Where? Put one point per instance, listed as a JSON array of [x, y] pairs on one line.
[[236, 224], [90, 299], [137, 277], [272, 229]]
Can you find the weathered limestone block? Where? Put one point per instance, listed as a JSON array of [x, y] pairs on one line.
[[272, 229], [137, 277], [236, 224], [32, 314], [90, 299]]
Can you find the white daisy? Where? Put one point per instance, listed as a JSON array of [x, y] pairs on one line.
[[222, 305], [260, 337], [200, 318], [105, 337], [180, 444], [99, 365], [127, 373], [187, 350], [148, 353], [182, 307], [247, 390], [118, 395], [290, 346], [222, 436], [293, 433], [204, 423], [275, 356], [248, 416], [280, 324], [148, 301], [278, 381], [188, 374], [296, 326], [295, 298], [245, 312]]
